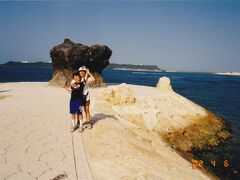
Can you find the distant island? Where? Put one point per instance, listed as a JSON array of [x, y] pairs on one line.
[[114, 66], [228, 73]]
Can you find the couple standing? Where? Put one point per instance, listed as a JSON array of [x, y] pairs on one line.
[[80, 97]]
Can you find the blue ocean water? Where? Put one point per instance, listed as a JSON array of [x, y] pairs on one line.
[[218, 94], [22, 74]]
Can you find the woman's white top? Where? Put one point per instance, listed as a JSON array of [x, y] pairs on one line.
[[86, 88]]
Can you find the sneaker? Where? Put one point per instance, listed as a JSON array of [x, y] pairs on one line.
[[80, 129], [88, 125]]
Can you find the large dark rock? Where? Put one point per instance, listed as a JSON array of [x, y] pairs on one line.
[[69, 56]]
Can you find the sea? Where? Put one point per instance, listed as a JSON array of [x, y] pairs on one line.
[[219, 94]]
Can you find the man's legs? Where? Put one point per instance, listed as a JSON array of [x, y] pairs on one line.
[[80, 117], [73, 116]]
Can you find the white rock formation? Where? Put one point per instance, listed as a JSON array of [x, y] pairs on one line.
[[121, 95], [164, 84], [159, 109]]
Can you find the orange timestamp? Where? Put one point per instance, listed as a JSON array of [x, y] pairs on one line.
[[200, 163]]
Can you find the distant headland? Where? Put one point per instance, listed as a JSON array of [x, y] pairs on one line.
[[114, 66], [228, 73], [26, 64], [135, 67]]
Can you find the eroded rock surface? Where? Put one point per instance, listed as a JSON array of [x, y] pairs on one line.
[[121, 95], [181, 122]]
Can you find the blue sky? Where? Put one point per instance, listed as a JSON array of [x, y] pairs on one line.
[[190, 36]]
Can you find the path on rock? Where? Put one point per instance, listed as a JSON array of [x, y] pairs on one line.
[[35, 141]]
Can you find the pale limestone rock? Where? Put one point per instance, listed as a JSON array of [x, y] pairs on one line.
[[164, 84], [124, 143], [134, 150], [165, 112], [119, 95]]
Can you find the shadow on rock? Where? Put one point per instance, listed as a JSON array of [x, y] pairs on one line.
[[101, 116]]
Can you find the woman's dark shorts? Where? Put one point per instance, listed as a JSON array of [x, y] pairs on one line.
[[85, 102]]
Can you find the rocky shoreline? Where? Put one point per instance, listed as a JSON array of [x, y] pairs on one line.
[[182, 123], [179, 122]]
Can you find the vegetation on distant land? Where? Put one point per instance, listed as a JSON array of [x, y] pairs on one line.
[[133, 66], [29, 64]]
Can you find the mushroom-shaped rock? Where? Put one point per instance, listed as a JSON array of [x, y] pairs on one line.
[[69, 56], [118, 95], [164, 84]]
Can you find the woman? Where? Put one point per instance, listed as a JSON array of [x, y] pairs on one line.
[[87, 78]]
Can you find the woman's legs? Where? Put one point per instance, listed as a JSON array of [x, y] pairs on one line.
[[88, 116], [87, 112]]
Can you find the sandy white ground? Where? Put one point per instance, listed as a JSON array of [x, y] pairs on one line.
[[35, 142]]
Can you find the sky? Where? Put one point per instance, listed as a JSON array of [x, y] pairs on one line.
[[174, 35]]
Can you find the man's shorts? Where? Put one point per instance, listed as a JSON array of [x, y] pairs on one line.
[[76, 106]]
